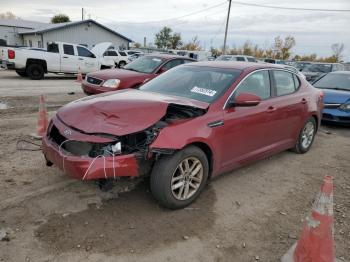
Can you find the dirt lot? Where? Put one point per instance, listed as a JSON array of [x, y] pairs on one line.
[[254, 213]]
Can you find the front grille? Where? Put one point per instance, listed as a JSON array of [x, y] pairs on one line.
[[331, 105], [56, 136], [93, 80]]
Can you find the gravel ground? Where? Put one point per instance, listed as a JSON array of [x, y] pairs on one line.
[[252, 214]]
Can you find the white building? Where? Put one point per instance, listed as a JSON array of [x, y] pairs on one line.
[[17, 32]]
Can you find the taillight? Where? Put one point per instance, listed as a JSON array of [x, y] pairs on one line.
[[11, 54]]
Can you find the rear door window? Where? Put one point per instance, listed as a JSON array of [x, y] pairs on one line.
[[284, 81], [257, 83], [68, 49], [240, 58]]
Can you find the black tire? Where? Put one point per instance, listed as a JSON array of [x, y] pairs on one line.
[[35, 71], [165, 168], [21, 73], [300, 147], [122, 64]]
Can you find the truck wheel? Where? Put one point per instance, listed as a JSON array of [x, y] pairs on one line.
[[21, 73], [177, 180], [306, 137], [35, 71], [122, 64]]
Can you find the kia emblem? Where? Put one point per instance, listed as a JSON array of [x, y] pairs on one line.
[[67, 132]]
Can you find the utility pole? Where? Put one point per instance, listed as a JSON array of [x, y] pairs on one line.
[[82, 13], [227, 21]]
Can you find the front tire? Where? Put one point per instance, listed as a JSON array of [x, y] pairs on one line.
[[306, 136], [35, 71], [177, 180]]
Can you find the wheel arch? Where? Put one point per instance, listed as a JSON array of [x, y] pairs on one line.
[[207, 151], [37, 61]]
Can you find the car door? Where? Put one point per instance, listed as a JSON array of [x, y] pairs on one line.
[[247, 130], [289, 105], [69, 61], [87, 60]]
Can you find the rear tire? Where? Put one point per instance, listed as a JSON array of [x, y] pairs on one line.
[[122, 64], [177, 180], [21, 73], [35, 71], [306, 137]]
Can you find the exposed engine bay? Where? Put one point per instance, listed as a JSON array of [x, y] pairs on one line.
[[131, 143]]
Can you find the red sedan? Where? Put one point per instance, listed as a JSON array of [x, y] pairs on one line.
[[192, 123], [132, 75]]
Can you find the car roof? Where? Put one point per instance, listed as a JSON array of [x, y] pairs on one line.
[[238, 65], [340, 72], [169, 56]]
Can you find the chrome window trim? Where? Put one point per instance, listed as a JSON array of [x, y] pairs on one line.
[[258, 70]]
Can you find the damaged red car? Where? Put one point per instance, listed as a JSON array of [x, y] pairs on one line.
[[186, 126], [132, 75]]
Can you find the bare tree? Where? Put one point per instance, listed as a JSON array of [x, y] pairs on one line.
[[283, 47], [8, 15], [338, 50]]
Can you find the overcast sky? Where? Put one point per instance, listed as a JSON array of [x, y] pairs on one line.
[[315, 32]]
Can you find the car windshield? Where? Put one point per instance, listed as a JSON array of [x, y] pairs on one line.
[[146, 64], [224, 58], [195, 82], [334, 81], [318, 68]]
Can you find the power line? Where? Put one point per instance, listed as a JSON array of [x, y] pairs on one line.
[[291, 8], [179, 17]]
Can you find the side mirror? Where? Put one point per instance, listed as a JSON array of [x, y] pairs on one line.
[[245, 99]]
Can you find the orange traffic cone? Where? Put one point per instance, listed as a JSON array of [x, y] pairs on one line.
[[316, 243], [42, 120], [79, 76]]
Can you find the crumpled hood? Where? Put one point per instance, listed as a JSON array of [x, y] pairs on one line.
[[121, 74], [335, 96], [121, 112]]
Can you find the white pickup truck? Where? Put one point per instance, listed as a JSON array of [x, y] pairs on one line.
[[58, 58]]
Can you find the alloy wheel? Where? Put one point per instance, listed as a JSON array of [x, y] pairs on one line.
[[187, 178]]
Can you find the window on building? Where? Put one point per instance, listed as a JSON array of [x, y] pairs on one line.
[[84, 52], [40, 44], [30, 43], [68, 49]]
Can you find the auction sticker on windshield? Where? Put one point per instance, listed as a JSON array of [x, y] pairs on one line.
[[203, 91]]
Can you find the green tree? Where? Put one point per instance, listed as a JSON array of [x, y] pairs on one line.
[[166, 39], [60, 18]]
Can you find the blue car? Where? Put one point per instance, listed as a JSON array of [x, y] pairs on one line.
[[336, 88]]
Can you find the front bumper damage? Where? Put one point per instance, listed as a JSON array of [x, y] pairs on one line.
[[86, 167]]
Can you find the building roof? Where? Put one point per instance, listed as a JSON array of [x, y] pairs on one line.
[[50, 27], [21, 23]]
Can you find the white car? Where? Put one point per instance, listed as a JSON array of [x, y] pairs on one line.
[[243, 58], [59, 57], [120, 58]]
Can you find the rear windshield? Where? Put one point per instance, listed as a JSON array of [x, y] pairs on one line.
[[334, 81], [195, 82], [318, 68], [145, 64]]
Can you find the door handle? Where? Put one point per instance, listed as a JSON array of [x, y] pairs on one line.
[[65, 57], [271, 109], [81, 58], [303, 101]]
